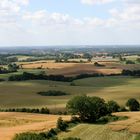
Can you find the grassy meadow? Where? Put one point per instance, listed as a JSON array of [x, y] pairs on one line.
[[127, 129], [24, 93], [96, 132]]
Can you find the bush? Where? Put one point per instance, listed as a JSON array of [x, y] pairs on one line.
[[133, 104], [88, 108], [44, 111], [130, 62], [62, 125], [28, 136], [113, 106], [110, 118], [75, 119], [52, 93], [98, 65]]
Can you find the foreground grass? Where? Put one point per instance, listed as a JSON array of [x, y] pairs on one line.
[[96, 132], [24, 93]]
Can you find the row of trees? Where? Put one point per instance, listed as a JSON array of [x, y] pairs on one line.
[[10, 68], [5, 59], [31, 76], [28, 110], [131, 73], [92, 108]]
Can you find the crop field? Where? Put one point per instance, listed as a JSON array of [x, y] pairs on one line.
[[13, 123], [132, 57], [72, 69], [24, 93], [132, 124], [119, 130]]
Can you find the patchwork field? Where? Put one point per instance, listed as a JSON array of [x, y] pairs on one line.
[[119, 130], [72, 69], [24, 94], [13, 123]]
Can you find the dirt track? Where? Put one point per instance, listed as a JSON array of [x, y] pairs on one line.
[[26, 122]]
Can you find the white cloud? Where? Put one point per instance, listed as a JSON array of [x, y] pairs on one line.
[[45, 18], [42, 27], [10, 10], [92, 2]]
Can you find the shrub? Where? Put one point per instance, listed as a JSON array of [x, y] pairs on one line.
[[133, 104], [62, 125], [75, 119], [52, 93], [88, 108], [28, 136], [113, 106], [130, 62], [110, 118], [44, 111], [98, 65]]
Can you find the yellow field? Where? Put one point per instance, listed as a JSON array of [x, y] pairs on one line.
[[71, 69], [132, 124], [13, 123]]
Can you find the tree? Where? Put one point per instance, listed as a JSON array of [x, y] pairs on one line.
[[130, 62], [113, 106], [138, 60], [62, 125], [13, 67], [133, 104], [88, 108]]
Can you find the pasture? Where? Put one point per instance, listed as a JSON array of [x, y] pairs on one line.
[[24, 93], [119, 130], [95, 132]]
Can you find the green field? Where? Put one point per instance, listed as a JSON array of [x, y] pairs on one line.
[[24, 93], [96, 132], [5, 76]]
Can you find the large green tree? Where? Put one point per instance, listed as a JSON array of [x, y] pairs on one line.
[[88, 108]]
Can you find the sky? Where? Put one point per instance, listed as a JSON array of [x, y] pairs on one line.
[[69, 22]]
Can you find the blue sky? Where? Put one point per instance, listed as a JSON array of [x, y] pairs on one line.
[[69, 22], [73, 7]]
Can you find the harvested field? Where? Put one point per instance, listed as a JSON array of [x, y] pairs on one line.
[[13, 123], [46, 64], [132, 124], [72, 69]]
